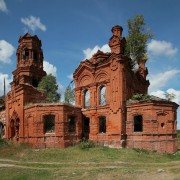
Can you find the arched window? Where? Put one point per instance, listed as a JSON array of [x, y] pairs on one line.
[[12, 126], [102, 124], [49, 123], [138, 124], [86, 98], [102, 95], [26, 54]]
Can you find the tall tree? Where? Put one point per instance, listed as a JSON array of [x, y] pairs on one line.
[[69, 95], [136, 41], [49, 84]]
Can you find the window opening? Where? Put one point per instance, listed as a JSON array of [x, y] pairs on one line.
[[34, 82], [72, 124], [35, 55], [162, 125], [12, 129], [138, 126], [26, 54], [103, 95], [1, 129], [49, 123], [102, 124], [86, 98]]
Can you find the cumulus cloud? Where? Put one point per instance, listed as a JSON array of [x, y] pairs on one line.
[[161, 94], [7, 81], [89, 52], [6, 51], [159, 48], [3, 6], [157, 81], [49, 68], [33, 23]]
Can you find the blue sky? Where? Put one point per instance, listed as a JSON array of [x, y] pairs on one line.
[[72, 30]]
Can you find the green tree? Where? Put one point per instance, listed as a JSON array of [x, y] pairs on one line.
[[49, 84], [69, 95], [136, 41], [169, 96]]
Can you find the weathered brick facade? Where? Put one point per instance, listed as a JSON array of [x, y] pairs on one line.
[[27, 116], [103, 84], [111, 72]]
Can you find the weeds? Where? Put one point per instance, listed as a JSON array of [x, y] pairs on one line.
[[86, 144]]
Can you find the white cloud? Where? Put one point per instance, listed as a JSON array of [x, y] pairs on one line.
[[33, 23], [176, 93], [6, 51], [160, 94], [157, 81], [3, 6], [70, 76], [49, 68], [7, 81], [90, 52], [159, 48]]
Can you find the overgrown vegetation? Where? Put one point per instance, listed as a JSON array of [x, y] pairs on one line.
[[169, 96], [143, 97], [136, 41]]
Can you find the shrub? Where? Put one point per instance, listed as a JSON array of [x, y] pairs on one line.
[[86, 144]]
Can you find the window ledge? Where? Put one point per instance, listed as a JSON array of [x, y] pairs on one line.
[[49, 133]]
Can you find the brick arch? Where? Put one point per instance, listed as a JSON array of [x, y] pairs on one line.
[[85, 79], [101, 76]]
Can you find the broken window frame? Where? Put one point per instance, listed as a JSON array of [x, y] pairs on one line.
[[49, 123]]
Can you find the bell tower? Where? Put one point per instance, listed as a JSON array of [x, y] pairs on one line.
[[29, 55], [28, 73]]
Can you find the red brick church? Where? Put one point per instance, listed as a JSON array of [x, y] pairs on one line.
[[103, 111]]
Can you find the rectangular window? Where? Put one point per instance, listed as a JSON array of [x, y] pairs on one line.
[[138, 126], [49, 123], [72, 124]]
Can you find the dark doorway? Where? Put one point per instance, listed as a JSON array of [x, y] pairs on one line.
[[85, 128]]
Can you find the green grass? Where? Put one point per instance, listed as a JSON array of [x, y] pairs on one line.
[[22, 162]]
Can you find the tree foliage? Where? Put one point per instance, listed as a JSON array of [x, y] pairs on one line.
[[69, 95], [136, 41], [169, 96], [49, 84]]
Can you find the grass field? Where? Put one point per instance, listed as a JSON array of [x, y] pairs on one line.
[[22, 162]]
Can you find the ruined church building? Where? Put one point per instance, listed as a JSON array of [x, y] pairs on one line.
[[103, 111]]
